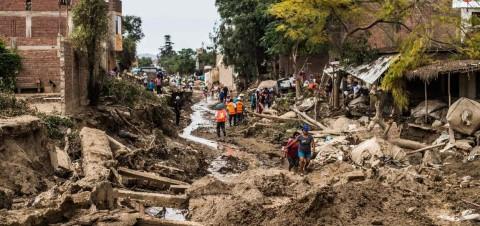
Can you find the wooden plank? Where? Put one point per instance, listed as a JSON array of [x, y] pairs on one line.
[[149, 177], [154, 199], [179, 188], [148, 221]]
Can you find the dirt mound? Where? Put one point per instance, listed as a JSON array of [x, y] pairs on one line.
[[25, 165]]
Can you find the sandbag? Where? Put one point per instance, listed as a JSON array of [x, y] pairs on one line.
[[464, 116]]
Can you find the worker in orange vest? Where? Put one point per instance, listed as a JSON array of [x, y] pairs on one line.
[[221, 118], [239, 114], [232, 110]]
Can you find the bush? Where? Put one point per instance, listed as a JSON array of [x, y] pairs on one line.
[[10, 64], [127, 93], [10, 106], [56, 125]]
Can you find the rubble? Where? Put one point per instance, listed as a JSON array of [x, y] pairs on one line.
[[463, 116], [369, 152]]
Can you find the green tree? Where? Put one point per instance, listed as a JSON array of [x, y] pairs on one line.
[[145, 62], [239, 34], [90, 18], [208, 57], [132, 34], [185, 61], [10, 64]]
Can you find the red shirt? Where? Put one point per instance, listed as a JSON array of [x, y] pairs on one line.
[[292, 148]]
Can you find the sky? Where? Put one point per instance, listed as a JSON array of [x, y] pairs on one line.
[[189, 22]]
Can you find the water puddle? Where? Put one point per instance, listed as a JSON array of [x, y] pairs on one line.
[[199, 119]]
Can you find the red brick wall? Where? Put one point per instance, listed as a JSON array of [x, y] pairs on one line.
[[48, 26], [12, 26], [44, 5], [12, 5], [40, 64]]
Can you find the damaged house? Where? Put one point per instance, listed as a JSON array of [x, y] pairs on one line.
[[39, 30]]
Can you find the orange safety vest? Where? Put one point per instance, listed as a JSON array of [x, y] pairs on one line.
[[239, 107], [221, 116], [231, 108]]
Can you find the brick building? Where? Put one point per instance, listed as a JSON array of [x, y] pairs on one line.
[[39, 31]]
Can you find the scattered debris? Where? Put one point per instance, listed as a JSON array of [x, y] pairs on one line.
[[464, 117]]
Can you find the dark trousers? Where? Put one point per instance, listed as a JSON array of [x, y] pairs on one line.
[[231, 118], [159, 89], [177, 118], [239, 117], [221, 126]]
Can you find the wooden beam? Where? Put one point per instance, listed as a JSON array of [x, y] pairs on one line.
[[308, 119], [155, 199], [426, 148], [149, 177], [179, 188], [273, 117]]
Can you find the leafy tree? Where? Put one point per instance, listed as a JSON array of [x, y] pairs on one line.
[[145, 62], [167, 49], [238, 37], [132, 28], [185, 61], [208, 57], [91, 26], [10, 64], [132, 34]]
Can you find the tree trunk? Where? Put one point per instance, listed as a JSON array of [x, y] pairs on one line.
[[336, 91], [92, 83]]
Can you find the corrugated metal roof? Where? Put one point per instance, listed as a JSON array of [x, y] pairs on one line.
[[370, 72]]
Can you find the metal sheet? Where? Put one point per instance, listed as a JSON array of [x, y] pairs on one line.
[[370, 73]]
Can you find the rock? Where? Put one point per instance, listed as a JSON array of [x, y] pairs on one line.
[[60, 161], [344, 124], [288, 115], [364, 120], [370, 151], [463, 145], [474, 154], [411, 209], [328, 154], [357, 175], [127, 135], [464, 116], [103, 196], [437, 124], [394, 131], [433, 106]]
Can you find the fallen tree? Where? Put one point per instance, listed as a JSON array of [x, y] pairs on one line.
[[274, 117], [309, 120]]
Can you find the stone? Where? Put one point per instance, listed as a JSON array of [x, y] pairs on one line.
[[357, 175], [437, 124], [463, 145], [60, 160], [154, 199]]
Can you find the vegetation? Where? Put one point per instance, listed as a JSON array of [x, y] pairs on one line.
[[182, 62], [132, 34], [145, 62], [10, 64], [56, 125], [91, 26], [127, 93], [10, 106]]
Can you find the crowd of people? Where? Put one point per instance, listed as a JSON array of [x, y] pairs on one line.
[[262, 99], [229, 109]]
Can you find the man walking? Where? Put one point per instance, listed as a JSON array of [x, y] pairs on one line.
[[177, 106], [239, 113], [306, 146], [221, 118], [232, 110]]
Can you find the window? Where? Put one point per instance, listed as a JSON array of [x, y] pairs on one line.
[[28, 5], [475, 19], [118, 25]]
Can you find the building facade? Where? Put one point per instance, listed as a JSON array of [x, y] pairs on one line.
[[39, 31]]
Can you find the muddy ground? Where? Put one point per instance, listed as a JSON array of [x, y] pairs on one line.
[[333, 193]]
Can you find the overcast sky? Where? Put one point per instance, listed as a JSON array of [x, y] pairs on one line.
[[188, 22]]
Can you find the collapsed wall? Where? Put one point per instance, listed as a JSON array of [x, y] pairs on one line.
[[25, 168]]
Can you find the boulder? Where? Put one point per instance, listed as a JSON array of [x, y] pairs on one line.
[[433, 106], [371, 151], [464, 116]]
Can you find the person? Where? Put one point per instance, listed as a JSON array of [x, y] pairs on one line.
[[291, 151], [221, 118], [205, 92], [151, 86], [231, 109], [221, 96], [177, 106], [253, 102], [158, 82], [239, 113], [306, 146], [145, 80]]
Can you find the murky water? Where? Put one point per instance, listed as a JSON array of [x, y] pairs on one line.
[[201, 117]]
